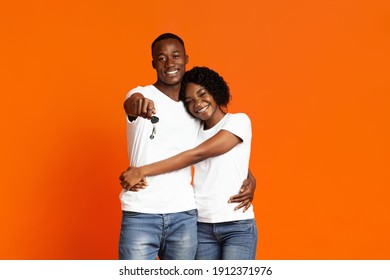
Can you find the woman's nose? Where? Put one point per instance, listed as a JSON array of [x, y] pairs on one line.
[[197, 103]]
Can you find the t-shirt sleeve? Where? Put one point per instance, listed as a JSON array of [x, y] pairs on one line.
[[240, 125], [134, 90]]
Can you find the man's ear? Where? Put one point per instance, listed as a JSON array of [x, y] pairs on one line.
[[187, 59], [153, 64]]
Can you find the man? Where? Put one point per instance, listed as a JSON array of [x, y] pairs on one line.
[[160, 220]]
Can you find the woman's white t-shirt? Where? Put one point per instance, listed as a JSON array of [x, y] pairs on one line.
[[217, 179]]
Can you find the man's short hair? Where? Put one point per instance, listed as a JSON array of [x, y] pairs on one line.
[[167, 36]]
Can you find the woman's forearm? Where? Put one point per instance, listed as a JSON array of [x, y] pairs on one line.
[[179, 161], [217, 145]]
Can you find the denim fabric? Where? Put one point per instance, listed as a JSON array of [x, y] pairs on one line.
[[235, 240], [167, 236]]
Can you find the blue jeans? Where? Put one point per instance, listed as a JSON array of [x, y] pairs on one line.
[[235, 240], [167, 236]]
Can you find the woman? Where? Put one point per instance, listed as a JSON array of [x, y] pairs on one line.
[[222, 160]]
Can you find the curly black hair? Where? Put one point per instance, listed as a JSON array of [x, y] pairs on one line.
[[210, 80]]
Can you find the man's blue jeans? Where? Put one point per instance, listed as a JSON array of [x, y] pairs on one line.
[[167, 236], [235, 240]]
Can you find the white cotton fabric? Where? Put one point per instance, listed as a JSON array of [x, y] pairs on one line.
[[176, 132], [217, 179]]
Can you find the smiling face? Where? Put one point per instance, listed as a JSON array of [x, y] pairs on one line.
[[169, 60], [201, 104]]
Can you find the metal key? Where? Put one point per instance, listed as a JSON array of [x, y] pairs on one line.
[[154, 120]]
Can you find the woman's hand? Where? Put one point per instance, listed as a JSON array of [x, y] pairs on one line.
[[133, 179]]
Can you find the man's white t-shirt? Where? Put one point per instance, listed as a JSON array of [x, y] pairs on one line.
[[218, 178], [176, 131]]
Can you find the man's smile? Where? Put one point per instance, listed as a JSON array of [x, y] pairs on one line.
[[172, 72]]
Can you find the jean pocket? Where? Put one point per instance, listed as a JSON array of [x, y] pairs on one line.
[[247, 225], [129, 213], [193, 212]]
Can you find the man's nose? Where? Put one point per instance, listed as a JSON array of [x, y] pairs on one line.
[[169, 62]]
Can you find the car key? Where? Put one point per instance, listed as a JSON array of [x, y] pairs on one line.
[[154, 120]]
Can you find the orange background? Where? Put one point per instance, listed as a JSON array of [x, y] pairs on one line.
[[312, 75]]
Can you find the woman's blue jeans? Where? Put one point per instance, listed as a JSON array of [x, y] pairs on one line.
[[235, 240]]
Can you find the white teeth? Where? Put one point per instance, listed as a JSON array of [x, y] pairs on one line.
[[203, 109], [172, 72]]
